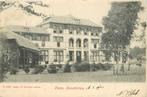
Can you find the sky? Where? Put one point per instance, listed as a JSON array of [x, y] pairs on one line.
[[93, 10]]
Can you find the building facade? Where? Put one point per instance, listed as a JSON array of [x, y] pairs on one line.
[[65, 39], [18, 51]]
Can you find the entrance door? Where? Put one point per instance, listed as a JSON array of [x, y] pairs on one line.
[[78, 56]]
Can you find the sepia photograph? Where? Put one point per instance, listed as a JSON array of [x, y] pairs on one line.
[[73, 41]]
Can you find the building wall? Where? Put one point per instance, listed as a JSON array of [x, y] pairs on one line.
[[93, 36], [88, 38]]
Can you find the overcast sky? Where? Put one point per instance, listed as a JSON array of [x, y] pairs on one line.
[[93, 10], [90, 9]]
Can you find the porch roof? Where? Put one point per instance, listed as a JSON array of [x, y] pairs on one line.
[[21, 41]]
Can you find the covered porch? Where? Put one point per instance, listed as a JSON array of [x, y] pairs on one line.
[[21, 52]]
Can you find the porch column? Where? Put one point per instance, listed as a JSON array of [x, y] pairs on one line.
[[24, 59], [82, 51]]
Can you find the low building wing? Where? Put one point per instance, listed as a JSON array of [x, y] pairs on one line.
[[21, 41]]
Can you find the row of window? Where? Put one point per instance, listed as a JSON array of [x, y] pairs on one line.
[[95, 56], [58, 38], [77, 32], [37, 37], [75, 27], [95, 41], [59, 55], [71, 42]]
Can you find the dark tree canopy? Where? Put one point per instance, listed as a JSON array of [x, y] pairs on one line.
[[120, 23]]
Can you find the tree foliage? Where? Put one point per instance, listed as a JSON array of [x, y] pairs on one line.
[[137, 52], [3, 66], [120, 24], [28, 9]]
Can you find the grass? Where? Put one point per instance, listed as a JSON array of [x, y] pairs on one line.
[[136, 74]]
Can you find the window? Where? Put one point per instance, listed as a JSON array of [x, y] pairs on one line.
[[70, 32], [78, 32], [58, 31], [95, 56], [97, 34], [58, 44], [78, 43], [39, 38], [34, 37], [91, 33], [44, 55], [85, 43], [85, 33], [71, 55], [27, 36], [58, 39], [58, 56], [95, 46], [95, 41], [61, 31], [71, 42], [43, 43], [45, 38], [85, 55], [54, 31]]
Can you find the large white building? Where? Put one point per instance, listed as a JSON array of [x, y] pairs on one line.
[[63, 39]]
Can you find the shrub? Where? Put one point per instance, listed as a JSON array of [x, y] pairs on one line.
[[52, 69], [26, 69], [38, 69], [3, 71], [95, 67], [13, 71], [67, 68], [100, 66], [106, 66], [82, 66]]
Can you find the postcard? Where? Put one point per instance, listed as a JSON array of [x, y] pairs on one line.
[[73, 48]]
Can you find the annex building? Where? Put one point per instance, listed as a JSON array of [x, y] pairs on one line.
[[63, 39]]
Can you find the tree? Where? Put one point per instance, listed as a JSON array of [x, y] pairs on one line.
[[144, 25], [119, 26], [26, 6], [3, 65]]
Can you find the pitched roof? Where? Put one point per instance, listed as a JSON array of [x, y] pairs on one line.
[[21, 41], [69, 20], [37, 30]]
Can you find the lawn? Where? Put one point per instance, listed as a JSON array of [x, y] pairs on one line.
[[137, 74]]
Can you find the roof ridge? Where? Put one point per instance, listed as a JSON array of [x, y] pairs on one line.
[[70, 20]]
